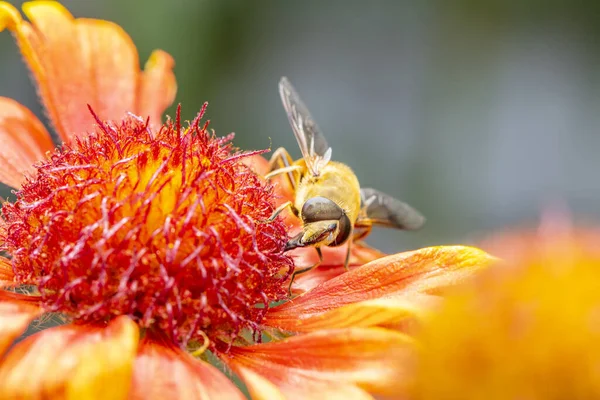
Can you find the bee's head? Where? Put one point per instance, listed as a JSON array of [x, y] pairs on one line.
[[320, 210]]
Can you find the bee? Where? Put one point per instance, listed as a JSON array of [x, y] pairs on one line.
[[328, 199]]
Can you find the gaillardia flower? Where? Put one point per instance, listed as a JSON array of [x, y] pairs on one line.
[[148, 242], [525, 329]]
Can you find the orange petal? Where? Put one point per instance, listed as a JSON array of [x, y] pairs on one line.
[[426, 271], [332, 265], [388, 312], [164, 372], [158, 86], [259, 387], [76, 62], [72, 362], [329, 364], [6, 272], [16, 312], [258, 163], [23, 141]]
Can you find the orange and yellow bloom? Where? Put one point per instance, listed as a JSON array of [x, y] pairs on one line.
[[527, 328], [148, 240]]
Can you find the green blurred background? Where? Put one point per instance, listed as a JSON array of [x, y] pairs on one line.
[[478, 113]]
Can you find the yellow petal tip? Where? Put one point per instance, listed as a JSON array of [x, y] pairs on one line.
[[49, 4], [470, 252], [463, 255], [159, 56], [42, 10], [10, 17]]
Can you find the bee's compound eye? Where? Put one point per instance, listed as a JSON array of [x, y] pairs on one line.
[[320, 209], [345, 228]]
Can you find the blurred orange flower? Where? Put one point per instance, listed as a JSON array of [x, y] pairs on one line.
[[145, 239], [528, 328]]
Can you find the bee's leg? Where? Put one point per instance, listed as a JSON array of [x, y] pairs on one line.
[[303, 270], [281, 159], [362, 228], [360, 234], [284, 170], [315, 234], [278, 211]]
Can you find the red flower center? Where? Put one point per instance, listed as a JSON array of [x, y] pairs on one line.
[[162, 226]]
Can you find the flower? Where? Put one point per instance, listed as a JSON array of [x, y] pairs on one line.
[[148, 242], [527, 329]]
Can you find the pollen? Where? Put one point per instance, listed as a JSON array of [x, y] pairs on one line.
[[164, 226]]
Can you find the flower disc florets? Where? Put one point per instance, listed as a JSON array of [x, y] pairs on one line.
[[164, 226]]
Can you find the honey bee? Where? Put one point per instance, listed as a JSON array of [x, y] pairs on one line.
[[328, 199]]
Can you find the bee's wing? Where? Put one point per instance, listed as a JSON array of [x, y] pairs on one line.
[[383, 209], [315, 150]]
